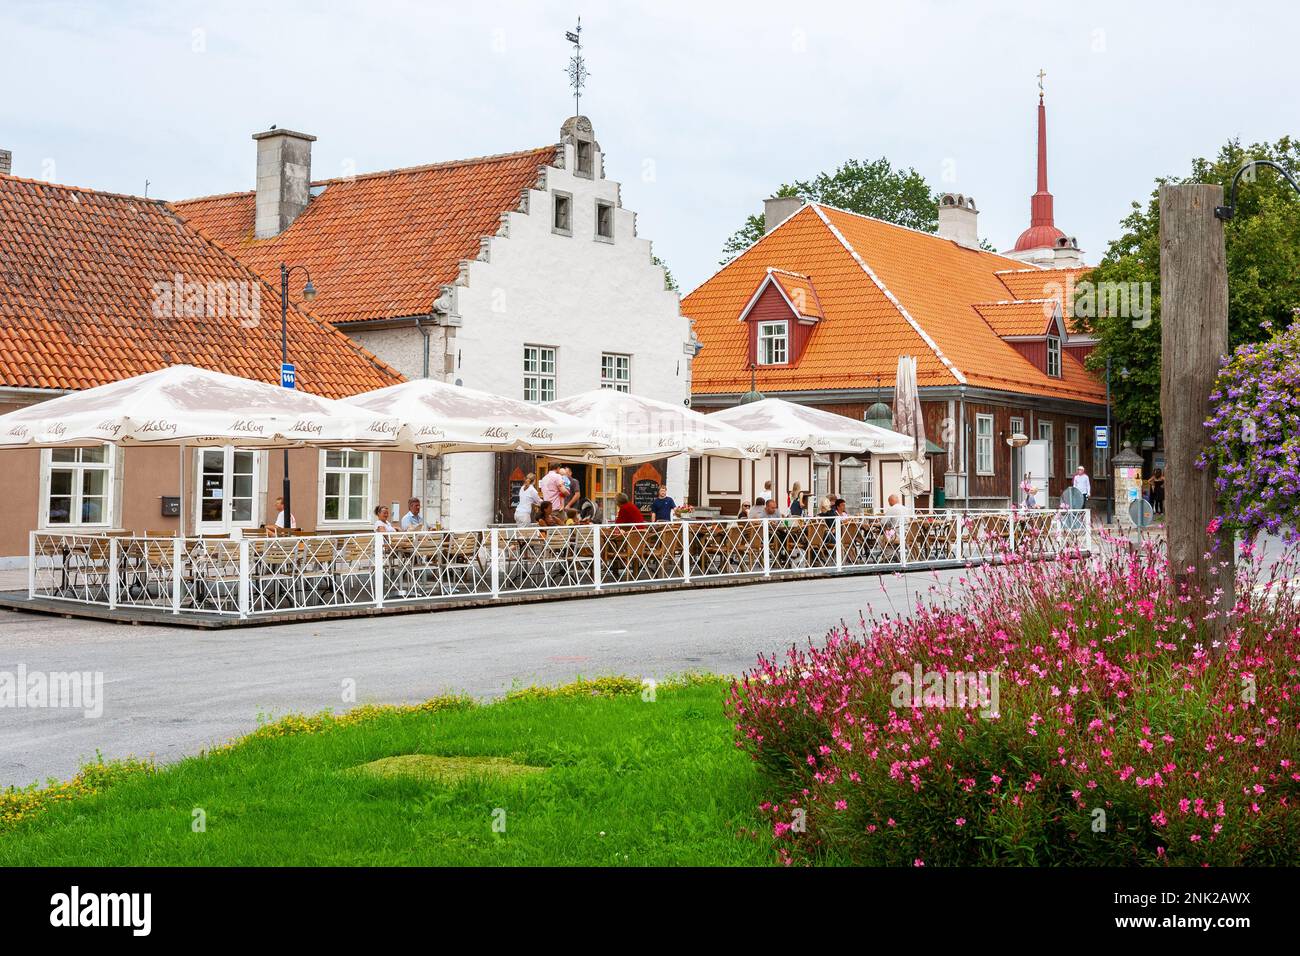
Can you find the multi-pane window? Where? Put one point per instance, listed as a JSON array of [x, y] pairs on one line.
[[1053, 356], [983, 444], [562, 221], [605, 220], [616, 372], [1100, 463], [773, 343], [1071, 448], [539, 373], [347, 485], [79, 486], [1045, 434]]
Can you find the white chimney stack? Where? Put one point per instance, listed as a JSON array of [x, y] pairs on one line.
[[958, 219], [778, 209], [283, 179]]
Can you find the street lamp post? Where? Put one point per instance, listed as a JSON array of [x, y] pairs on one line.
[[308, 293], [1110, 444]]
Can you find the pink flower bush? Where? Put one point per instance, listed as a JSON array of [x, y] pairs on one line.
[[1125, 733]]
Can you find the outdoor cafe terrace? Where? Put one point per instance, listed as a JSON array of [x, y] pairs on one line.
[[212, 579]]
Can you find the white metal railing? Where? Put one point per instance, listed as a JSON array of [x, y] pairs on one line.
[[256, 576]]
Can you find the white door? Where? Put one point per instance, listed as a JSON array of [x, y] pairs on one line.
[[227, 492]]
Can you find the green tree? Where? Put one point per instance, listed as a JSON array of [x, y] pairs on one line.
[[1263, 250], [669, 281], [875, 189]]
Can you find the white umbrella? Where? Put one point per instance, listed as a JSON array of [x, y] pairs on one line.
[[644, 429], [909, 421], [184, 405], [440, 419], [785, 426]]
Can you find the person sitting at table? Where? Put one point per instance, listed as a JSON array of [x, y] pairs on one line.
[[279, 518], [546, 516], [770, 509], [628, 513], [529, 499], [760, 506], [413, 520], [896, 511], [381, 519], [662, 508], [796, 500], [744, 510]]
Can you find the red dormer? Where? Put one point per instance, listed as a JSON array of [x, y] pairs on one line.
[[1033, 327], [781, 315]]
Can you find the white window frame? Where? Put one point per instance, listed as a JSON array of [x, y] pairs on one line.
[[584, 159], [558, 198], [766, 336], [1100, 461], [369, 470], [604, 205], [1045, 434], [1072, 459], [257, 502], [616, 371], [1054, 356], [541, 364], [983, 445], [110, 467]]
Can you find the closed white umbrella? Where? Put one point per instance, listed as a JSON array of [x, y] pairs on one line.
[[785, 426], [440, 419], [909, 421], [644, 429]]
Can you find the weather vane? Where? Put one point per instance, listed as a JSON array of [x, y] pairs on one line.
[[1041, 74], [577, 66]]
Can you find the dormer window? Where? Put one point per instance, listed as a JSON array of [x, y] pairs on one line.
[[773, 343], [562, 218], [1053, 356], [585, 157]]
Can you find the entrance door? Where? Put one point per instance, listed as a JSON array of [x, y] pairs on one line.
[[228, 482]]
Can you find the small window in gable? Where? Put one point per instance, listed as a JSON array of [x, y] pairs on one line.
[[773, 343], [1053, 356], [562, 220], [605, 220], [586, 158]]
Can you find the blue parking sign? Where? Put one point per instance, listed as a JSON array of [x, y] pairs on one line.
[[287, 374], [1101, 436]]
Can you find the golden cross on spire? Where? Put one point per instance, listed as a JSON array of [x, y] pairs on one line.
[[1041, 74]]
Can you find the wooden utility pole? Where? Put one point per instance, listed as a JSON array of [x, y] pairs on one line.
[[1193, 338]]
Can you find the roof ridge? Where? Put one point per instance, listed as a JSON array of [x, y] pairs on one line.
[[919, 232], [378, 173], [81, 189], [916, 326]]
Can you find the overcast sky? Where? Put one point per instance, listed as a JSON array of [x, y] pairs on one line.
[[702, 108]]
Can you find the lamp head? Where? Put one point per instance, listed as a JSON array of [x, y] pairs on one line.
[[308, 291]]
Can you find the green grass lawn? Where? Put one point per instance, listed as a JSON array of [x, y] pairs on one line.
[[625, 782]]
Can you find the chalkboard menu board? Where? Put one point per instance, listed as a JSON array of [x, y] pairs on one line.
[[515, 488], [644, 492]]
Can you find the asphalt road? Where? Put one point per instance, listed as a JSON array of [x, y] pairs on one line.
[[168, 693]]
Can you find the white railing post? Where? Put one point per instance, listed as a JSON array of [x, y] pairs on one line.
[[113, 555], [1087, 530], [1011, 532], [595, 556], [379, 569], [961, 520], [494, 544], [31, 564], [245, 579], [767, 547], [902, 540], [839, 542], [686, 551], [178, 555]]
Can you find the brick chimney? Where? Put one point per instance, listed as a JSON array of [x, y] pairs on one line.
[[959, 219], [283, 179], [6, 162], [778, 209]]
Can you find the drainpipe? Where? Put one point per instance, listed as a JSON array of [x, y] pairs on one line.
[[965, 464]]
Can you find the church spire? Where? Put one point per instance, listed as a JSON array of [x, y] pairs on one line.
[[1042, 231]]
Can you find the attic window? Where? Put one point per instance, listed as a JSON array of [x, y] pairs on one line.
[[605, 220], [562, 217], [586, 155], [1053, 356]]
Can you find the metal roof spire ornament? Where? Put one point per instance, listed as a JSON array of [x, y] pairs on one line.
[[577, 69]]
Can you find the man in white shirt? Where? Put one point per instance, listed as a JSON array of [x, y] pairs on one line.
[[1082, 484], [413, 520], [896, 510], [279, 518]]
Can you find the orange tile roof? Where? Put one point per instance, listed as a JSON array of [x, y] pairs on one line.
[[382, 244], [84, 277], [799, 292], [1046, 284], [1027, 317], [885, 291]]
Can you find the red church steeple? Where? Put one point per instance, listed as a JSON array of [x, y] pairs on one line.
[[1042, 231]]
